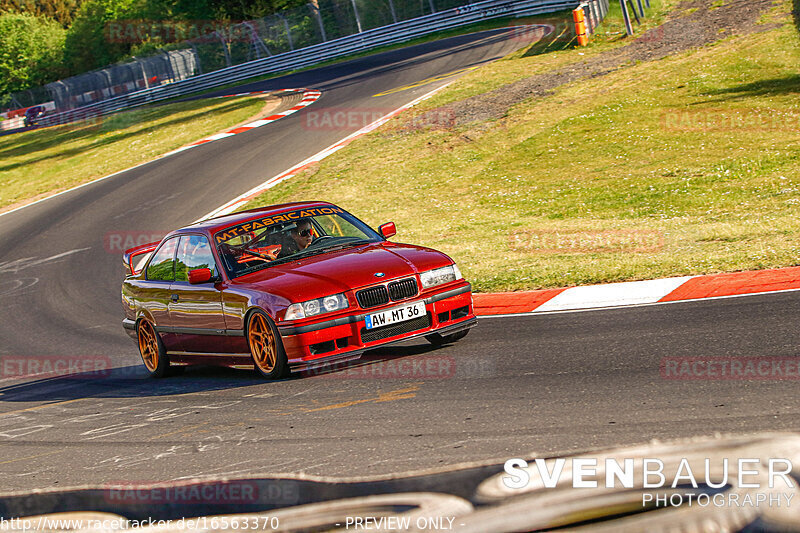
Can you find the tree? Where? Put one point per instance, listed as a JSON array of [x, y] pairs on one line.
[[176, 10], [796, 13], [238, 10], [31, 51], [62, 11], [89, 45], [107, 31]]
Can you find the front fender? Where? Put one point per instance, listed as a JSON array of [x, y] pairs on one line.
[[237, 304]]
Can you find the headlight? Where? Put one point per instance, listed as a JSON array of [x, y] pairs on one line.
[[438, 276], [317, 306]]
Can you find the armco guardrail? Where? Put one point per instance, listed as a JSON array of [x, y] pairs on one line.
[[387, 35], [594, 13], [746, 487]]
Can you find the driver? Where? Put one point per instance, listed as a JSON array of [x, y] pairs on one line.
[[300, 238]]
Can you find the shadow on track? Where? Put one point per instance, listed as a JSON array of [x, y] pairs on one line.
[[380, 362], [125, 382], [107, 130], [400, 61], [133, 381], [422, 56]]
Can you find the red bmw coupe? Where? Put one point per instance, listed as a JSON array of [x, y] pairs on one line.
[[287, 288]]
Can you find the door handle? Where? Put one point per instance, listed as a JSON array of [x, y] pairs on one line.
[[174, 297]]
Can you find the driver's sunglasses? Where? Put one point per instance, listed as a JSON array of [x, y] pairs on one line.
[[305, 233]]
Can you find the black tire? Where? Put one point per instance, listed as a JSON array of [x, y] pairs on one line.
[[154, 356], [266, 346], [438, 340]]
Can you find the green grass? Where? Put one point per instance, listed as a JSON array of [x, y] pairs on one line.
[[43, 161], [553, 54], [610, 154]]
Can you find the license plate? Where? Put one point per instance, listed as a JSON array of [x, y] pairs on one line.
[[409, 311]]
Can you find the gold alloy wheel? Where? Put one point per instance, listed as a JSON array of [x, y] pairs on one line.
[[262, 343], [148, 345]]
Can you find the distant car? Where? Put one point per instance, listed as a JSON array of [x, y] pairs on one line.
[[33, 114], [287, 288]]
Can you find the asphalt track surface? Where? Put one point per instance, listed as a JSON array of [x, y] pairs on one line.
[[514, 386]]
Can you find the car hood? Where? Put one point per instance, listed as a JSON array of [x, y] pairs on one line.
[[343, 270]]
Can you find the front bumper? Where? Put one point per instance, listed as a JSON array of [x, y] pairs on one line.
[[327, 341], [130, 327]]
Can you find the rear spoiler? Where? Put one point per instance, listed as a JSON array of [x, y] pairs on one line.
[[136, 256]]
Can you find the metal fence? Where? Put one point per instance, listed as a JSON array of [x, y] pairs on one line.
[[214, 45], [316, 22], [115, 80], [594, 13], [274, 61]]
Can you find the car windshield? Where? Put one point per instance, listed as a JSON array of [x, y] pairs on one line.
[[287, 237]]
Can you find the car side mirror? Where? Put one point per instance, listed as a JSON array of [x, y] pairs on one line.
[[199, 275], [388, 229]]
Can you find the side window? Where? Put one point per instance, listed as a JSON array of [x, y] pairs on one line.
[[162, 266], [194, 252], [338, 227]]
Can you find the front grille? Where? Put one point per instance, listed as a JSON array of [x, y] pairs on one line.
[[405, 288], [370, 335], [373, 297], [382, 294]]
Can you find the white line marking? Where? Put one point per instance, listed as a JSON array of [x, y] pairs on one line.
[[107, 431], [286, 174], [181, 149], [178, 150], [534, 313], [22, 264], [257, 123], [21, 432], [612, 294], [219, 136]]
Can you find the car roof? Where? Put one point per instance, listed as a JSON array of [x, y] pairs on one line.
[[212, 225]]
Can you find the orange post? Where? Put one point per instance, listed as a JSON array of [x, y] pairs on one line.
[[580, 26]]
